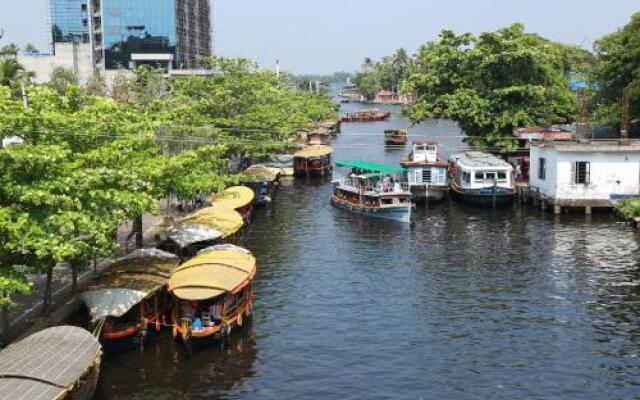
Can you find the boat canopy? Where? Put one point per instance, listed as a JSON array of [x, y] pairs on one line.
[[128, 281], [313, 151], [214, 271], [261, 173], [234, 197], [210, 223], [47, 364], [371, 167]]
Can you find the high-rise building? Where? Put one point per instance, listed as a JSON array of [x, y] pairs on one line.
[[69, 21], [125, 33]]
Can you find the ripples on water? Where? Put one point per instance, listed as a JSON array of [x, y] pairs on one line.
[[462, 304]]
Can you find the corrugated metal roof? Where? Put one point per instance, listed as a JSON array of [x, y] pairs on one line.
[[45, 364]]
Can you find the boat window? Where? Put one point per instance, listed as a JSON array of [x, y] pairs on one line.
[[426, 175], [386, 201], [479, 176], [466, 177], [502, 176], [490, 176]]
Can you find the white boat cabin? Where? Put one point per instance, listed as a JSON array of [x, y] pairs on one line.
[[477, 170], [424, 166]]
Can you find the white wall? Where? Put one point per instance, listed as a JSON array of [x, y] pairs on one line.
[[77, 59], [613, 173]]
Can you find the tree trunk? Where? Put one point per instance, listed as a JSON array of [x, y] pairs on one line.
[[137, 228], [4, 315], [74, 279], [47, 290]]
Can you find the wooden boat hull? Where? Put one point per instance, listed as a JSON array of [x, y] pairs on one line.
[[395, 142], [400, 214], [372, 118], [429, 194], [484, 197]]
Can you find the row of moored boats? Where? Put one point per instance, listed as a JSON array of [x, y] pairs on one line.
[[197, 284]]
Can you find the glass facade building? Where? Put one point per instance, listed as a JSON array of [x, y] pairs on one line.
[[69, 21], [126, 33], [137, 27]]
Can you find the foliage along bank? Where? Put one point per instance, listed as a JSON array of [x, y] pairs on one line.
[[89, 162]]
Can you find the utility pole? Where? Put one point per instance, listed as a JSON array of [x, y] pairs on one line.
[[624, 126]]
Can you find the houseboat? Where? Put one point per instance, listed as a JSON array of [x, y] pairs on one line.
[[395, 137], [366, 116], [264, 181], [372, 190], [331, 125], [313, 161], [319, 136], [204, 228], [351, 93], [426, 172], [239, 198], [130, 296], [213, 294], [482, 179], [59, 363]]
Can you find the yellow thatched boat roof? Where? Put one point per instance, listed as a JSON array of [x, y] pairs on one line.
[[210, 223], [261, 173], [214, 271], [234, 197], [313, 151]]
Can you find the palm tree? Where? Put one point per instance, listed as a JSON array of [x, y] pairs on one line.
[[11, 71], [10, 49]]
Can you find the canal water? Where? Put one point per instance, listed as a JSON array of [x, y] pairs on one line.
[[463, 303]]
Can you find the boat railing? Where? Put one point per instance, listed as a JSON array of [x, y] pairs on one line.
[[384, 187]]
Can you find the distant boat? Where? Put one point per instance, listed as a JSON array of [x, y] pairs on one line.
[[426, 172], [366, 116], [395, 137], [482, 179], [370, 190], [313, 161]]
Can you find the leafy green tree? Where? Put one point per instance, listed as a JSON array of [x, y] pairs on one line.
[[30, 48], [618, 69], [10, 71], [61, 78], [492, 84]]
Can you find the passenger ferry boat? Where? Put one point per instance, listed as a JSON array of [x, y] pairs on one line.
[[395, 137], [426, 172], [212, 294], [373, 190], [366, 116], [482, 179]]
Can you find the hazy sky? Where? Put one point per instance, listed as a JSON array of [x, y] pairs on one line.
[[328, 35]]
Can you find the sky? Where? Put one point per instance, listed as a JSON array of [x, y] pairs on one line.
[[323, 36]]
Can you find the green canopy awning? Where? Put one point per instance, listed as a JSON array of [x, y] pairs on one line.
[[366, 166]]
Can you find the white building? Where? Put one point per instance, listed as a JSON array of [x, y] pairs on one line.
[[584, 174], [74, 57]]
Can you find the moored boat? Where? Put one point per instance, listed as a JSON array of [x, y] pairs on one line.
[[264, 182], [213, 293], [204, 228], [313, 161], [319, 136], [239, 198], [59, 363], [426, 172], [366, 116], [372, 190], [395, 137], [128, 299], [482, 179]]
